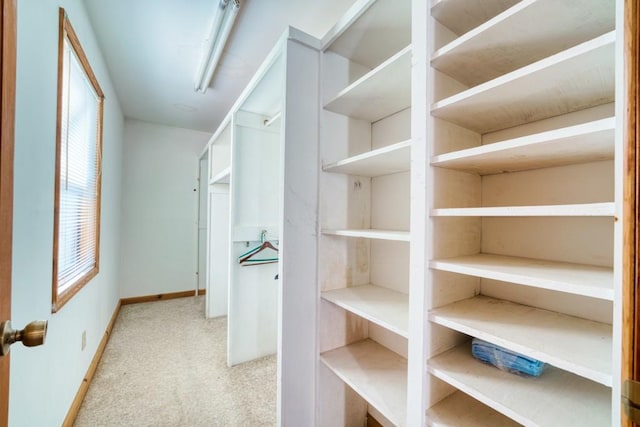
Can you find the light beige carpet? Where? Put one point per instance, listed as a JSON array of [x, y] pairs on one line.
[[165, 365]]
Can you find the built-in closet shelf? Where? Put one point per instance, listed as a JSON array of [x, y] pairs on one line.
[[507, 42], [381, 92], [222, 177], [556, 398], [459, 409], [576, 345], [461, 16], [377, 374], [577, 78], [588, 142], [370, 35], [402, 236], [383, 161], [587, 280], [586, 209], [382, 306]]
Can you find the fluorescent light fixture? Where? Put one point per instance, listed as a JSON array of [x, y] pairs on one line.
[[223, 20]]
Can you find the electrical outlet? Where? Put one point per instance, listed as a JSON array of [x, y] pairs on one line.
[[84, 339]]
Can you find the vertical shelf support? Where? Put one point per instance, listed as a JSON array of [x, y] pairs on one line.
[[419, 251]]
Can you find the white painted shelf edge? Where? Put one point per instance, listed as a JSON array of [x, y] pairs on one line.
[[222, 177], [377, 374], [523, 47], [402, 236], [556, 397], [592, 141], [382, 306], [606, 39], [465, 17], [534, 92], [394, 96], [584, 209], [479, 30], [580, 279], [393, 158], [580, 346], [460, 409]]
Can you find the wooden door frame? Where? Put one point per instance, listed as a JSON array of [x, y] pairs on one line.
[[7, 117], [631, 210]]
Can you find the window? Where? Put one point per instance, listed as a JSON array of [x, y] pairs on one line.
[[78, 160]]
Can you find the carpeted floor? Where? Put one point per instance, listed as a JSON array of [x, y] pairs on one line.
[[165, 365]]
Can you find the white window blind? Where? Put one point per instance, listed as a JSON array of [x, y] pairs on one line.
[[78, 174]]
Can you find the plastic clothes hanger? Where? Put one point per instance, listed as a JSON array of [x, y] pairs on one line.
[[247, 258]]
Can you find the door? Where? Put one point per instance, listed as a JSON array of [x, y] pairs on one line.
[[7, 113], [34, 333]]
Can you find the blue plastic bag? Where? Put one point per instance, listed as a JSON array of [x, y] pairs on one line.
[[506, 360]]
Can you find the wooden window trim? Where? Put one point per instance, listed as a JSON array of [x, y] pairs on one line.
[[66, 29]]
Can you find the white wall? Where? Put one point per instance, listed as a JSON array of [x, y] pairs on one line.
[[158, 245], [44, 380]]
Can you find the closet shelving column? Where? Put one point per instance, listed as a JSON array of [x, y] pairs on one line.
[[521, 145], [273, 140], [220, 154], [364, 215], [218, 222]]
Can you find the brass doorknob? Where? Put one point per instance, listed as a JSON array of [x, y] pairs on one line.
[[32, 335]]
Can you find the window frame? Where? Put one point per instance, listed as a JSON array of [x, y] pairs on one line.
[[67, 32]]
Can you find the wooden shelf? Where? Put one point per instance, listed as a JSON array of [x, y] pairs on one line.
[[461, 16], [384, 307], [580, 346], [402, 236], [460, 409], [377, 374], [222, 177], [588, 280], [507, 42], [381, 92], [575, 79], [588, 142], [556, 398], [370, 32], [383, 161], [586, 209]]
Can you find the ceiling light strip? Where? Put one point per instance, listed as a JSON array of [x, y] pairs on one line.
[[223, 20]]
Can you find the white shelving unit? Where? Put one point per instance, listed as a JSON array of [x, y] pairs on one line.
[[461, 16], [217, 284], [375, 373], [364, 214], [472, 160], [556, 398], [378, 94], [528, 94], [523, 197], [587, 209], [387, 308], [588, 280], [584, 143], [570, 343], [255, 149], [508, 42], [401, 236], [460, 409], [222, 177], [386, 160]]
